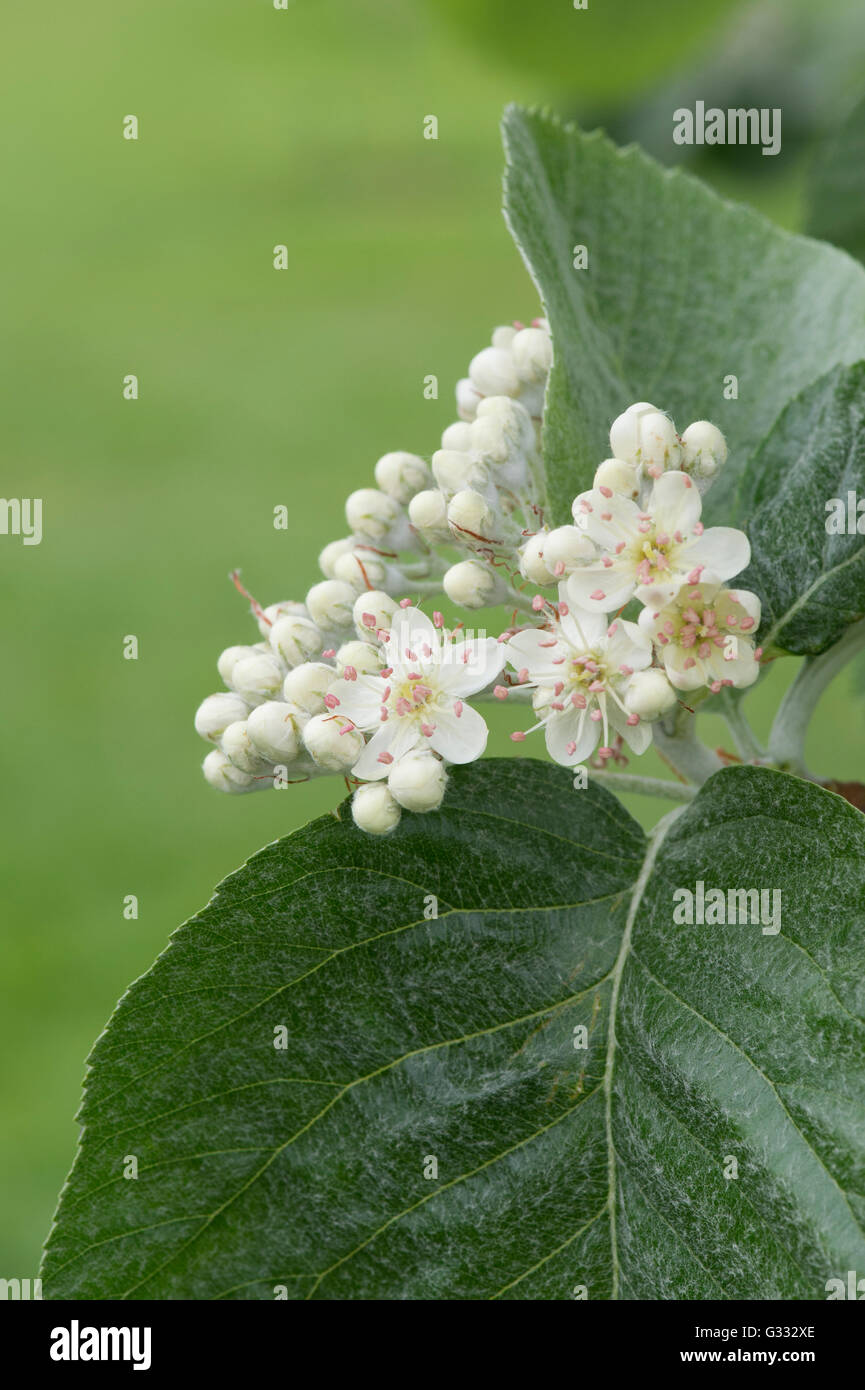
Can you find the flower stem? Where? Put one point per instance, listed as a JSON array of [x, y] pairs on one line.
[[677, 743], [749, 746], [643, 786], [787, 739]]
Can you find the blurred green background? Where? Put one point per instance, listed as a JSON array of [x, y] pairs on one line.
[[257, 388]]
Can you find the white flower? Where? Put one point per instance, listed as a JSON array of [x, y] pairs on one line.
[[706, 636], [651, 553], [418, 700], [581, 667], [374, 810]]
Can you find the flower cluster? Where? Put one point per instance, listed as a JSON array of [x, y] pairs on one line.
[[357, 680]]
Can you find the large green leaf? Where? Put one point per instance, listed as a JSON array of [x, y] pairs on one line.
[[412, 1038], [837, 186], [811, 582], [681, 291]]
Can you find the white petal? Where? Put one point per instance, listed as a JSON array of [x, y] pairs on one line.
[[468, 666], [360, 700], [611, 519], [458, 739], [675, 503], [615, 584], [394, 736], [723, 551], [412, 631], [564, 728], [683, 678]]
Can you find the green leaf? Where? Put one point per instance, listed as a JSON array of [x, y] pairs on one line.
[[811, 583], [681, 291], [412, 1038], [837, 186]]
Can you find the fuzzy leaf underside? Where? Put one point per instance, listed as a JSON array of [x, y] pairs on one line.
[[811, 581], [452, 1037]]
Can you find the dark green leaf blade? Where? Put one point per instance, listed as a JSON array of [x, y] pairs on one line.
[[682, 290], [453, 1037]]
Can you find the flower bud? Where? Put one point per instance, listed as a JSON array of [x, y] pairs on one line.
[[625, 431], [333, 552], [307, 685], [454, 470], [458, 436], [372, 611], [289, 608], [503, 336], [294, 640], [532, 351], [360, 568], [238, 747], [566, 547], [469, 512], [328, 746], [363, 657], [659, 444], [371, 514], [374, 810], [513, 423], [229, 659], [492, 373], [417, 781], [428, 513], [225, 777], [467, 399], [533, 564], [214, 714], [649, 694], [705, 450], [260, 677], [273, 730], [330, 604], [620, 477], [401, 475], [472, 585]]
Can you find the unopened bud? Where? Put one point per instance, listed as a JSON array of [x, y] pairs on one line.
[[214, 714], [333, 552], [330, 604], [374, 810], [306, 687], [229, 659], [428, 512], [371, 514], [453, 470], [259, 677], [330, 747], [238, 747], [471, 585], [373, 611], [567, 547], [417, 781], [704, 450], [273, 730], [401, 475], [221, 773], [532, 351], [625, 431], [533, 565], [470, 513], [295, 640], [620, 477], [468, 399], [492, 373], [289, 608], [649, 694], [458, 436], [362, 657]]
